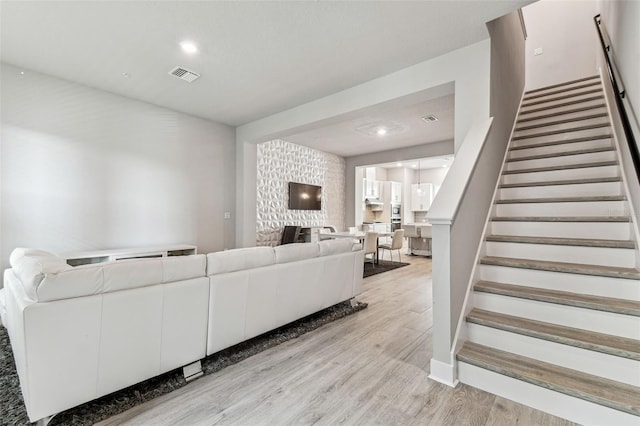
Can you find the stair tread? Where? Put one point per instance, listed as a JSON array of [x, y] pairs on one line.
[[563, 154], [562, 167], [568, 96], [585, 339], [579, 242], [582, 199], [562, 142], [565, 112], [529, 96], [564, 267], [562, 182], [562, 121], [560, 131], [561, 105], [566, 83], [599, 303], [561, 219], [606, 392]]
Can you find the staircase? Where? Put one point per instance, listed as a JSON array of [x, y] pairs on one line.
[[555, 322]]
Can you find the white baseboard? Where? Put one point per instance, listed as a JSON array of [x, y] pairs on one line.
[[443, 373]]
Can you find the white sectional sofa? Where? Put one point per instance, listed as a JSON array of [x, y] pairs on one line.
[[78, 333]]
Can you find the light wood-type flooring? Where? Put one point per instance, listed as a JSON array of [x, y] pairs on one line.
[[368, 368]]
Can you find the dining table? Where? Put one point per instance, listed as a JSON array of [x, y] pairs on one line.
[[359, 235]]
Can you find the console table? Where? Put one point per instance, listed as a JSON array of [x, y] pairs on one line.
[[88, 257]]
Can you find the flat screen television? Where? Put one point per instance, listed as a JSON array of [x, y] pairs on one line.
[[304, 197]]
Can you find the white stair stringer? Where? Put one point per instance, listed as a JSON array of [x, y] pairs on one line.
[[560, 256]]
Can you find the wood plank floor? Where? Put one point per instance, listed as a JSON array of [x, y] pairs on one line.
[[369, 368]]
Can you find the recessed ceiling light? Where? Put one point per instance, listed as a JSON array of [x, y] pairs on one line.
[[399, 164], [189, 47], [125, 75], [381, 131], [414, 166]]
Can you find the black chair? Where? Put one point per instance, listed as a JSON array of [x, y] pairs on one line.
[[290, 234]]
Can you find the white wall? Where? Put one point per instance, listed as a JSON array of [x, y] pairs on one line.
[[621, 19], [565, 31], [83, 169], [281, 162]]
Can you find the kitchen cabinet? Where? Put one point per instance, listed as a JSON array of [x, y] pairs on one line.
[[371, 188], [421, 196], [396, 193]]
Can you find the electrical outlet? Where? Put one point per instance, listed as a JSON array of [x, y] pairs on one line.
[[537, 51], [227, 215]]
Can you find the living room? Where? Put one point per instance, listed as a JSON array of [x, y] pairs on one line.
[[90, 160]]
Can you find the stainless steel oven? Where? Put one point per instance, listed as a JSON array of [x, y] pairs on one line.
[[395, 211]]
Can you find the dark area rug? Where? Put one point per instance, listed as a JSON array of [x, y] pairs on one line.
[[380, 267], [12, 410]]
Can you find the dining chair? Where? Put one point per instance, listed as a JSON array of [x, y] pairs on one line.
[[397, 240], [370, 246], [290, 234]]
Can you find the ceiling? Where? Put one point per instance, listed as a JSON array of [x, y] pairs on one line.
[[404, 127], [255, 58]]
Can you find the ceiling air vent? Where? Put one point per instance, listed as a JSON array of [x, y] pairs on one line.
[[184, 74], [429, 118]]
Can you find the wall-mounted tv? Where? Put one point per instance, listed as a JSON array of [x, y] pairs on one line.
[[304, 197]]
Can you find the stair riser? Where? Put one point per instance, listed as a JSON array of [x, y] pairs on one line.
[[558, 109], [562, 160], [554, 149], [578, 190], [561, 127], [557, 100], [579, 93], [558, 404], [599, 208], [582, 173], [605, 256], [565, 88], [569, 116], [620, 288], [568, 316], [602, 230], [588, 361], [599, 131]]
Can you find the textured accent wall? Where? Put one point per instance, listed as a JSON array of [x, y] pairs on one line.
[[280, 162]]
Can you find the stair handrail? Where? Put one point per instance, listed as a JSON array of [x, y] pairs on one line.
[[619, 95]]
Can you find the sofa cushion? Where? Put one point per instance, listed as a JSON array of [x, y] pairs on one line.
[[78, 281], [297, 251], [31, 265], [239, 259], [131, 273], [180, 268], [335, 246]]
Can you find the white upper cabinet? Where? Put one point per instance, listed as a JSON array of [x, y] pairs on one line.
[[371, 189], [396, 193]]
